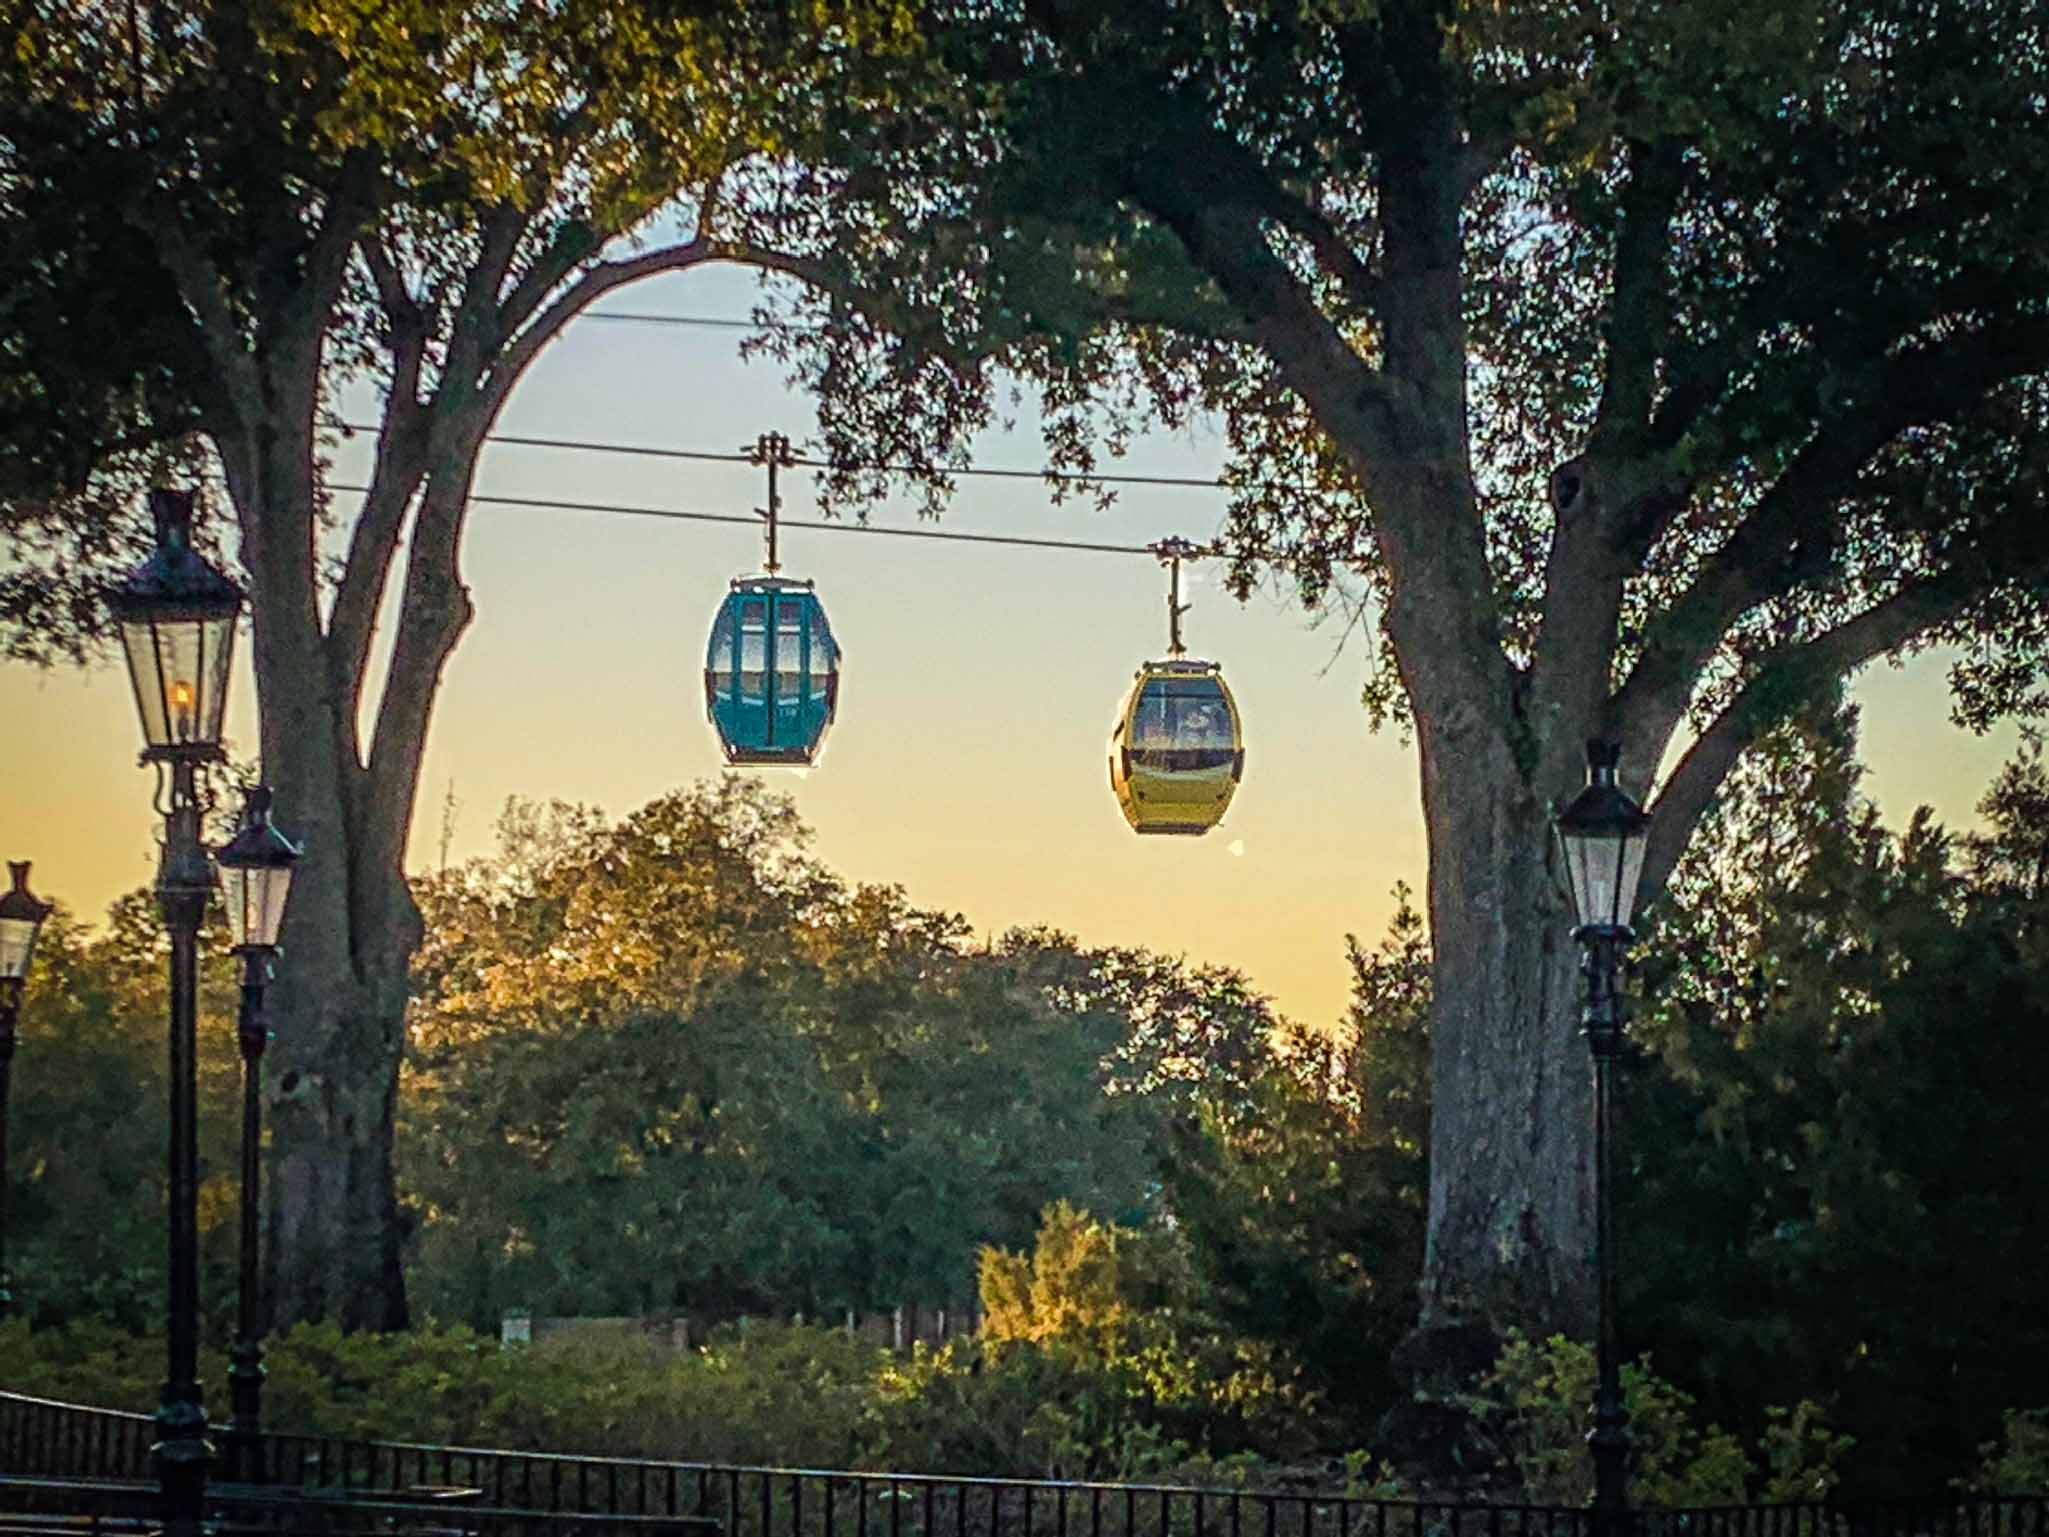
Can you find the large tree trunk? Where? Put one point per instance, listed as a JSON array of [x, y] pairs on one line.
[[1511, 1213], [1511, 1179], [1510, 1234], [332, 1234], [334, 1239]]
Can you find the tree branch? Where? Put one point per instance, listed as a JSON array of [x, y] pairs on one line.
[[1784, 681], [221, 334], [1787, 537], [1585, 574], [327, 257], [397, 301], [1597, 499], [1364, 407], [600, 280], [571, 243], [476, 336], [1334, 255], [434, 610], [395, 479], [1402, 439], [1639, 302]]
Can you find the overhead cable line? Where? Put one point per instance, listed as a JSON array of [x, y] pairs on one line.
[[709, 456], [715, 322], [621, 509]]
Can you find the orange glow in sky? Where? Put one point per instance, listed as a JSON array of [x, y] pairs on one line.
[[969, 762]]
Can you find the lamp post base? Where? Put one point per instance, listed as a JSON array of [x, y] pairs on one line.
[[1609, 1443], [244, 1433], [181, 1455]]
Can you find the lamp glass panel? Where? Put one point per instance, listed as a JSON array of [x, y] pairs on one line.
[[139, 640], [1598, 858], [179, 667], [255, 900], [17, 946], [1604, 869], [217, 651], [1627, 876]]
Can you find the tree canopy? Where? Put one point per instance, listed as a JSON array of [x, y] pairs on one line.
[[214, 217], [1833, 1188], [1642, 370], [677, 1064]]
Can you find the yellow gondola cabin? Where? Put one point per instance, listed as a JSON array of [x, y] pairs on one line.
[[1178, 751]]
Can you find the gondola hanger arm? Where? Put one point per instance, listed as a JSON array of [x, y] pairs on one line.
[[1171, 552], [772, 451]]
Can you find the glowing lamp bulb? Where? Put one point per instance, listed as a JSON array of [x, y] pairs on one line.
[[181, 708]]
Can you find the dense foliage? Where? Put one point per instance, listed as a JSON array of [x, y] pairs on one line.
[[216, 216], [1835, 1185], [1637, 370], [88, 1123], [1303, 1203], [674, 1066]]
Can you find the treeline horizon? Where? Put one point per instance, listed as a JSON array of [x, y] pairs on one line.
[[674, 1063]]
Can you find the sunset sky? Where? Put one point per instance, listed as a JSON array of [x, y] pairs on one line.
[[969, 760]]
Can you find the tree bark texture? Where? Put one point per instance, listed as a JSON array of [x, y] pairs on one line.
[[1512, 1198], [1510, 1233], [333, 1235]]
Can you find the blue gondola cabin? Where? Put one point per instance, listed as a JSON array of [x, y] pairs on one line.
[[771, 673]]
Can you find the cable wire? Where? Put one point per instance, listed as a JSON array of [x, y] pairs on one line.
[[641, 317], [701, 455], [621, 509]]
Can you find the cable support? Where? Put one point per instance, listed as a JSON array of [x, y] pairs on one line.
[[621, 509], [711, 457]]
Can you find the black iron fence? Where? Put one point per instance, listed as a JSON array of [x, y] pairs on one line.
[[44, 1507], [1937, 1516], [42, 1438]]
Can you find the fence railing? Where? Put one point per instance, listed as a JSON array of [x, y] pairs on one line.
[[58, 1440], [40, 1436], [45, 1507], [1936, 1516]]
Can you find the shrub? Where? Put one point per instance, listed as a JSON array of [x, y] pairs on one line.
[[84, 1362], [2018, 1462], [1537, 1396]]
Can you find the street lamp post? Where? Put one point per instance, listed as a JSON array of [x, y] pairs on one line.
[[1601, 836], [256, 873], [21, 918], [176, 615]]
